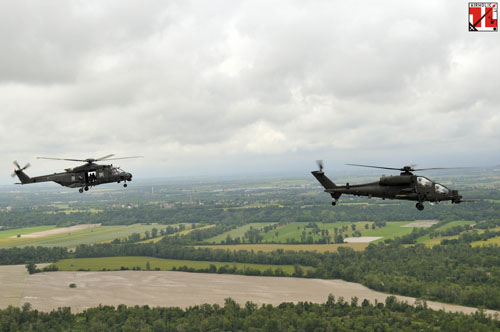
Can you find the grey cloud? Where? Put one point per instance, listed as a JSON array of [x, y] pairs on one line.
[[245, 81]]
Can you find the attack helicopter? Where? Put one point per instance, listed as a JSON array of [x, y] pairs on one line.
[[84, 177], [406, 186]]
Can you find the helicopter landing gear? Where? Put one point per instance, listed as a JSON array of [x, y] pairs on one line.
[[125, 185], [334, 203], [80, 190], [86, 188], [419, 206]]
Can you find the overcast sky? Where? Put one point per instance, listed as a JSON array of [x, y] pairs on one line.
[[209, 87]]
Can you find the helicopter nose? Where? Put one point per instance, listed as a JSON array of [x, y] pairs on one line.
[[129, 177], [456, 197]]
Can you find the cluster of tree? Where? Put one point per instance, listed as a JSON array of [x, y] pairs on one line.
[[334, 315], [163, 249], [16, 255], [136, 237], [253, 235], [249, 271], [455, 230], [473, 236], [31, 267]]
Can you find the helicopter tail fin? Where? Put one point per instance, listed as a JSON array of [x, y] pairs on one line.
[[326, 182], [23, 177]]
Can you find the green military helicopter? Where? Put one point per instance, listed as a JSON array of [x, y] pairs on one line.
[[406, 186], [84, 177]]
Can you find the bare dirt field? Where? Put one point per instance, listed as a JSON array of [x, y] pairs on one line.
[[50, 290], [12, 282], [59, 230], [362, 239], [422, 223]]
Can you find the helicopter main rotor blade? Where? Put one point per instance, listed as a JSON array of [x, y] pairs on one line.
[[125, 158], [82, 160], [88, 160], [428, 169], [396, 169], [105, 157]]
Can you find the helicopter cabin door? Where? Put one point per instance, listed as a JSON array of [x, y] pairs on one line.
[[90, 177]]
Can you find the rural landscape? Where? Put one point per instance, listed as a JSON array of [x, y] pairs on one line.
[[204, 246], [247, 166]]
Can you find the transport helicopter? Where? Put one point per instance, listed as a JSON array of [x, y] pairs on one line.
[[406, 186], [84, 177]]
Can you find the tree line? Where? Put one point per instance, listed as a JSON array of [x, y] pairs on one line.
[[333, 315]]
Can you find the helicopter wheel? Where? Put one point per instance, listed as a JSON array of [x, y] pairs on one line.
[[80, 190], [419, 206], [125, 185], [86, 188], [334, 203]]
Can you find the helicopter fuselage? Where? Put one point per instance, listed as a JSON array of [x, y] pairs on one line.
[[405, 186], [82, 177]]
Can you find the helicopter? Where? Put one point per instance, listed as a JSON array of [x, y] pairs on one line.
[[84, 177], [406, 186]]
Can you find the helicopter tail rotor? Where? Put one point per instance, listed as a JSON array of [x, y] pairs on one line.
[[322, 178], [320, 165], [19, 168]]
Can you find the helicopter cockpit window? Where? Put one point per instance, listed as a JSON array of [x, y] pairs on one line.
[[424, 182], [441, 189], [117, 171]]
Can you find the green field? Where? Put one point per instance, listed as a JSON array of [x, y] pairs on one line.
[[23, 231], [489, 242], [73, 238], [437, 240], [428, 241], [237, 232], [293, 231], [456, 223], [115, 263], [391, 230]]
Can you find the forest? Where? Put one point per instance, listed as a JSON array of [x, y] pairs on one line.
[[334, 315]]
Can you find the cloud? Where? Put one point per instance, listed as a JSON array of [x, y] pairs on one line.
[[180, 81]]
